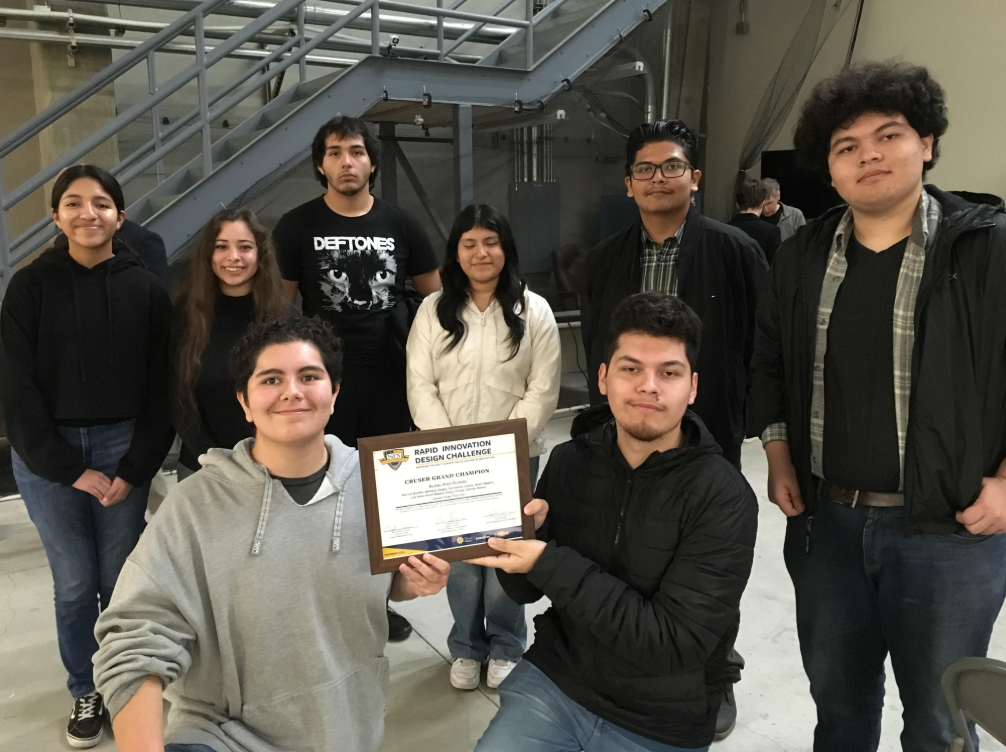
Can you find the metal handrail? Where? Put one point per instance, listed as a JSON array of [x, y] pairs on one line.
[[293, 51]]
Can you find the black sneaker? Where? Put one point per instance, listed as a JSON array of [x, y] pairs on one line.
[[726, 719], [87, 721], [398, 627]]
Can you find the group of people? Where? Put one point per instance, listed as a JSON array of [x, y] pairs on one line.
[[868, 351]]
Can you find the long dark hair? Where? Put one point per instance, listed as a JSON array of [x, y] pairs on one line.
[[457, 289], [98, 174], [198, 298]]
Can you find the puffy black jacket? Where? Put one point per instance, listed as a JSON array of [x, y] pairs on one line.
[[645, 570], [721, 272], [957, 415]]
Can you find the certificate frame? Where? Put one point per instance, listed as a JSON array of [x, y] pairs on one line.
[[379, 563]]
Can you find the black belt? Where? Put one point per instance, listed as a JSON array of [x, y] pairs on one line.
[[860, 498]]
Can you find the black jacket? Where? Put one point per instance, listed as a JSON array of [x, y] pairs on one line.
[[767, 236], [83, 346], [721, 271], [645, 570], [957, 415], [149, 246]]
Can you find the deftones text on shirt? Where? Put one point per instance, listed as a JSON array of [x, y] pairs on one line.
[[358, 273]]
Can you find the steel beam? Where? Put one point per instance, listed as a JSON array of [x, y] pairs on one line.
[[389, 163], [279, 150], [464, 158]]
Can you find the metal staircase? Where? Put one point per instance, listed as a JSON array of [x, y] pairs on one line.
[[539, 55]]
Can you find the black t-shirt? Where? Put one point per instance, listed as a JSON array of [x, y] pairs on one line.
[[860, 423], [302, 490], [352, 270]]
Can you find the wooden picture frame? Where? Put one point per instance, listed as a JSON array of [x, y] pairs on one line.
[[395, 446]]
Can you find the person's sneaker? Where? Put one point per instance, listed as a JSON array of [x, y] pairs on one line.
[[726, 719], [87, 721], [465, 673], [499, 669], [398, 627]]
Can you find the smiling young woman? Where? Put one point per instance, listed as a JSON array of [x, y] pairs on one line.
[[233, 281], [84, 355]]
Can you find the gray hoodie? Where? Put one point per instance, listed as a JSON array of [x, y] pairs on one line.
[[259, 615]]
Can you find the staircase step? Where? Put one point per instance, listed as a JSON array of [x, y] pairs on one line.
[[550, 32], [312, 87], [274, 114]]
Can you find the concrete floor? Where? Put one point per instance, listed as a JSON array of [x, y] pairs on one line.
[[424, 712]]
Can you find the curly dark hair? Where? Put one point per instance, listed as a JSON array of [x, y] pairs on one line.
[[279, 331], [662, 130], [891, 88], [344, 126], [656, 315]]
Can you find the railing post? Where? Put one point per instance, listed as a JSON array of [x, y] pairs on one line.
[[440, 32], [5, 271], [155, 112], [302, 65], [204, 99], [375, 28], [529, 37]]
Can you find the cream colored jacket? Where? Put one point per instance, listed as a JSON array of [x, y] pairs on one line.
[[474, 382]]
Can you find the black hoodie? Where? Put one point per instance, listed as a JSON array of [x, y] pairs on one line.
[[645, 569], [82, 347]]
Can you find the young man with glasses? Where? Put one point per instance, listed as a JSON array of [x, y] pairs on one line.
[[714, 268]]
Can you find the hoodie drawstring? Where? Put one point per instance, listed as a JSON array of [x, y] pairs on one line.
[[263, 516], [76, 323], [108, 299]]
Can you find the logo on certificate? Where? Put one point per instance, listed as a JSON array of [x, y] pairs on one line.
[[394, 458]]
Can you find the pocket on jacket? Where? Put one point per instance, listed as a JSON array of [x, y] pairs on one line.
[[351, 708]]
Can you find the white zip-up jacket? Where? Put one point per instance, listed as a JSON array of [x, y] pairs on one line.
[[477, 381]]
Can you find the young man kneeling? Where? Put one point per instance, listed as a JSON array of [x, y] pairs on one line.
[[645, 541], [252, 585]]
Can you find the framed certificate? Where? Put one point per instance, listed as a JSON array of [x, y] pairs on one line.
[[445, 491]]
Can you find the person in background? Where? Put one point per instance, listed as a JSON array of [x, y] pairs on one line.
[[84, 393], [233, 281], [250, 597], [149, 246], [349, 255], [787, 218], [644, 546], [879, 389], [751, 196], [484, 348], [716, 269]]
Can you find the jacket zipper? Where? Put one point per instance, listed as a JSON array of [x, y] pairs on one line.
[[621, 514], [478, 368]]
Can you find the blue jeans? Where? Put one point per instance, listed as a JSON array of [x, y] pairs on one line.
[[86, 543], [487, 624], [187, 748], [536, 716], [863, 589]]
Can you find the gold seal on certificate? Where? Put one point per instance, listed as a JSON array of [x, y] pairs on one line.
[[445, 491]]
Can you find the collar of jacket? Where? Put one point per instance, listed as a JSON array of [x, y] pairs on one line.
[[596, 428], [631, 245]]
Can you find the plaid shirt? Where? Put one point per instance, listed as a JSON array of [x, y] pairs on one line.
[[927, 219], [660, 263]]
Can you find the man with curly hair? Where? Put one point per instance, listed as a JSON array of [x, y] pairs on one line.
[[879, 386]]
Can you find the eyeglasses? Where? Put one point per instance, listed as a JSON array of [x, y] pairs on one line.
[[672, 168]]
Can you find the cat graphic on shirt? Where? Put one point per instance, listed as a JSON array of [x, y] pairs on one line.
[[358, 279]]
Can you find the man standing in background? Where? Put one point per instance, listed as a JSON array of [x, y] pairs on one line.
[[788, 219], [714, 268], [349, 255]]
